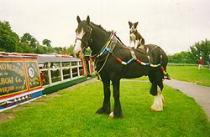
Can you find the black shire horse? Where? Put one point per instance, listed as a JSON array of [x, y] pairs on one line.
[[115, 61]]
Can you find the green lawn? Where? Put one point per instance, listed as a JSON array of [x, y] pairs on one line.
[[71, 113], [190, 74]]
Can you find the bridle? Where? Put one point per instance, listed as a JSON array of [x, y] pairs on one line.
[[89, 42], [86, 43], [103, 49]]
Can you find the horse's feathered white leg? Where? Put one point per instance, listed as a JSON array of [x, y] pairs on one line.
[[158, 102], [163, 99]]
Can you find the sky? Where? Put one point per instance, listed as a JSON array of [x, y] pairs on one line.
[[174, 25]]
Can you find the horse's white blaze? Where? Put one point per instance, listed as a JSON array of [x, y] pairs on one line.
[[78, 41], [77, 47], [80, 34], [158, 102]]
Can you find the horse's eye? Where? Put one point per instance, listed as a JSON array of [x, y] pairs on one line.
[[88, 32]]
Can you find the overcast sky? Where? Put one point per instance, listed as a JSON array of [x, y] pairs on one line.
[[171, 24]]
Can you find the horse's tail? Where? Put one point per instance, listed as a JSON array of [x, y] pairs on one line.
[[159, 57], [157, 74]]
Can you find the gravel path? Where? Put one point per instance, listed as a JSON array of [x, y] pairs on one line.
[[201, 94]]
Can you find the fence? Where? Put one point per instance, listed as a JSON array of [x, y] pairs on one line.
[[56, 69]]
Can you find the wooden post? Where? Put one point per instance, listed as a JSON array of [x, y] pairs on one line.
[[71, 75], [78, 68], [61, 71], [49, 73]]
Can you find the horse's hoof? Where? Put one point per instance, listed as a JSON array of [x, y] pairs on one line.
[[158, 103], [102, 111], [111, 115], [156, 109]]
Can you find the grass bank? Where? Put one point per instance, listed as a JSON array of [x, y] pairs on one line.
[[71, 113], [190, 74]]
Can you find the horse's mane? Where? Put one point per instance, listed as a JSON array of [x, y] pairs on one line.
[[99, 26], [120, 40]]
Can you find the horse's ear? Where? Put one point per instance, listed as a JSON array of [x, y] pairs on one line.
[[88, 19], [135, 24], [78, 19], [130, 24]]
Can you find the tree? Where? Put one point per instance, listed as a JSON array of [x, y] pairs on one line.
[[197, 50], [181, 57], [10, 42], [34, 43], [201, 48], [28, 39], [24, 48], [58, 50], [71, 50], [8, 39], [41, 49], [46, 42]]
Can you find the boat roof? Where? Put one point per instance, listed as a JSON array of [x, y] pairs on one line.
[[41, 58]]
